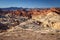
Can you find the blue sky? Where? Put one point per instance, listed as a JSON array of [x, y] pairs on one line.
[[29, 3]]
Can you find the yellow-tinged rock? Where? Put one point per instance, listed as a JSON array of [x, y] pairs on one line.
[[56, 26]]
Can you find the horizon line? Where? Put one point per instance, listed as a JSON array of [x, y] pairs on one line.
[[30, 7]]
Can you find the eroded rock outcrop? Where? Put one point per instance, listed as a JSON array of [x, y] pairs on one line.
[[50, 20]]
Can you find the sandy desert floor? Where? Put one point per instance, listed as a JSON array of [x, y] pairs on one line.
[[20, 34]]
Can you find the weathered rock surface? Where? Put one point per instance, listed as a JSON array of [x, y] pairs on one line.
[[33, 24], [51, 20]]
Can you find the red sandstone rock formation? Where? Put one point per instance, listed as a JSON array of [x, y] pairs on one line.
[[35, 12]]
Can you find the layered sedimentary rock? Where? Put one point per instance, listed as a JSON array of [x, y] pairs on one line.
[[48, 18]]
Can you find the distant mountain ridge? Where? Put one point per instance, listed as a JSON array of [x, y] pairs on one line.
[[18, 8], [11, 8]]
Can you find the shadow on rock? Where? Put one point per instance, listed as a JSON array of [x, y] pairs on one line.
[[3, 27]]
